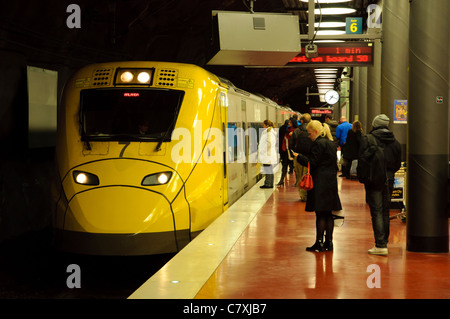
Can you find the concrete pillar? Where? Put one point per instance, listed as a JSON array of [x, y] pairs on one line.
[[374, 86], [427, 129], [354, 101], [363, 100], [395, 62]]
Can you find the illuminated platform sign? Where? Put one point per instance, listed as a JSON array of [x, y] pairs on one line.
[[320, 111], [338, 54]]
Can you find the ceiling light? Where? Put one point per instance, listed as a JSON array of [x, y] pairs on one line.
[[333, 11], [329, 41], [328, 1], [329, 24], [325, 76], [325, 70], [327, 73], [330, 32], [324, 86], [326, 80], [326, 83]]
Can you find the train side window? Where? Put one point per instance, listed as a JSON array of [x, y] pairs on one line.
[[232, 142], [236, 143], [254, 134], [223, 99]]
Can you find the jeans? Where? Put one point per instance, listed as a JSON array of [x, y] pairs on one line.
[[346, 167], [301, 171], [379, 201]]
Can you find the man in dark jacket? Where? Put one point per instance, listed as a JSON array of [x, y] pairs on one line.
[[379, 196]]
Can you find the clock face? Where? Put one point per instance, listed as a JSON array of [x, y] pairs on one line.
[[331, 97]]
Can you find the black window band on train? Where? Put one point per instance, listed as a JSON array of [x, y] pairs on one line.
[[129, 114]]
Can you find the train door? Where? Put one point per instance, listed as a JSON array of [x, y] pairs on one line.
[[245, 143], [234, 148], [253, 117], [223, 101]]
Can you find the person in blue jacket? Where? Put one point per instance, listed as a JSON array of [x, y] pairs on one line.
[[341, 135]]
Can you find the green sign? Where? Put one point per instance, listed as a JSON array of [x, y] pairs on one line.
[[353, 25]]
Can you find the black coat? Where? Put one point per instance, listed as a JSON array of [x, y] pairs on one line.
[[323, 162], [351, 149], [392, 149]]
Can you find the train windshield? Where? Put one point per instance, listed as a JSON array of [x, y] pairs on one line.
[[129, 114]]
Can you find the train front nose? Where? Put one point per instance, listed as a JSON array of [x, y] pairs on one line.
[[119, 210], [116, 215], [119, 220]]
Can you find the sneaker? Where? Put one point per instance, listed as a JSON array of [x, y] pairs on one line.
[[378, 251]]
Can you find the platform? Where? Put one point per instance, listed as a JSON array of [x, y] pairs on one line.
[[257, 250]]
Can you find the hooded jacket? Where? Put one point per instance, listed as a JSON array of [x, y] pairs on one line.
[[392, 149]]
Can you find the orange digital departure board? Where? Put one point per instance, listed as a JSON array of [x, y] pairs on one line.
[[338, 54]]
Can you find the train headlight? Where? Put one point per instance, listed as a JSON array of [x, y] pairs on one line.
[[144, 77], [85, 178], [126, 77], [157, 179], [133, 76]]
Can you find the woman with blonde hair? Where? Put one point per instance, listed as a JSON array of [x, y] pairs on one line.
[[323, 198]]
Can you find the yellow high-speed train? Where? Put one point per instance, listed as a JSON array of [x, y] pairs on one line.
[[150, 153]]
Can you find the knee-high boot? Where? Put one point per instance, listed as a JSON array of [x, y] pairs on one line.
[[283, 175]]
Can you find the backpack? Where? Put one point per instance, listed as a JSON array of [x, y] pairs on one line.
[[371, 168]]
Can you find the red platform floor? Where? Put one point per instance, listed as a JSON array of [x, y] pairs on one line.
[[269, 259]]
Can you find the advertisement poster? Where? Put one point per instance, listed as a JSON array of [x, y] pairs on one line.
[[400, 111], [399, 186]]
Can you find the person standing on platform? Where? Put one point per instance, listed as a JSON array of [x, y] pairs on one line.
[[292, 125], [324, 197], [301, 143], [295, 117], [267, 152], [352, 144], [287, 161], [333, 124], [284, 158], [341, 135], [379, 196]]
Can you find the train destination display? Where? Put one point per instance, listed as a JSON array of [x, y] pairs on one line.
[[341, 53]]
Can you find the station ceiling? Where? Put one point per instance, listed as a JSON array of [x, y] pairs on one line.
[[165, 30]]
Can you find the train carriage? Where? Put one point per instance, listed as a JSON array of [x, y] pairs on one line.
[[149, 154]]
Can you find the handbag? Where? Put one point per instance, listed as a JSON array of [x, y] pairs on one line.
[[307, 182]]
